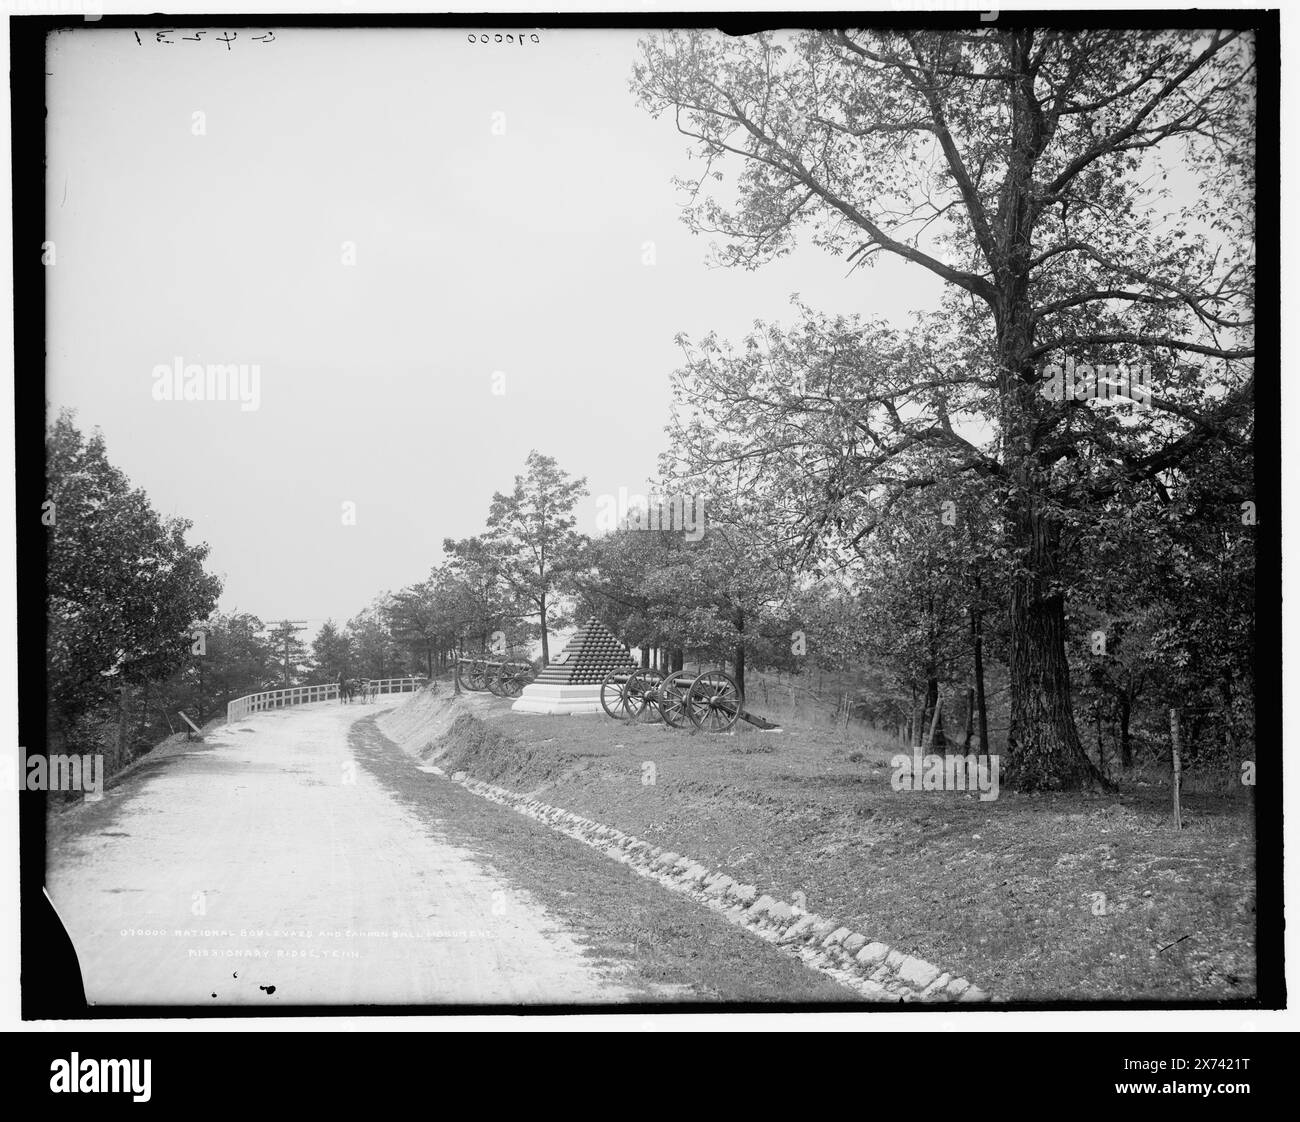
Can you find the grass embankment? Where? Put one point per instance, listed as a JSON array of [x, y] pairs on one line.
[[1032, 897], [662, 947]]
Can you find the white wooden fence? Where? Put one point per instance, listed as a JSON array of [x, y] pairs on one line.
[[304, 695]]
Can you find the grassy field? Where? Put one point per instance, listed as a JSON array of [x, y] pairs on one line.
[[1033, 898]]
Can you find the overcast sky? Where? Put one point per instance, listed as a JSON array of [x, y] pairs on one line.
[[476, 250]]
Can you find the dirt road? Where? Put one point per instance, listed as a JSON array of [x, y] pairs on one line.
[[264, 866]]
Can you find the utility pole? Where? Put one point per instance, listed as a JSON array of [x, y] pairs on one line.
[[285, 630]]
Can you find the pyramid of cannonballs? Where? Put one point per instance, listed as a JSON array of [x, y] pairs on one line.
[[588, 656], [570, 683]]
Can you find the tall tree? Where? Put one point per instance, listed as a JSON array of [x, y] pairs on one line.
[[415, 620], [912, 600], [478, 599], [375, 650], [531, 533], [618, 582], [332, 652], [124, 589], [232, 659], [1028, 170]]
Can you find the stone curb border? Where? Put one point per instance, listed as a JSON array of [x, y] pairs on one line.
[[872, 968]]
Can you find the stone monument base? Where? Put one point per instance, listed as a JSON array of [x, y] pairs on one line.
[[546, 697]]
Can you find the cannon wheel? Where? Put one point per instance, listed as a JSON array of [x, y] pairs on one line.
[[642, 692], [714, 702], [673, 691], [514, 677], [492, 677], [477, 680], [613, 693]]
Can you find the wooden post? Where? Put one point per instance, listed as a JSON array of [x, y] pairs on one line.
[[1178, 769], [197, 731]]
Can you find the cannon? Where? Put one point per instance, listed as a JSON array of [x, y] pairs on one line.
[[710, 701], [613, 693], [508, 678], [502, 677], [471, 673]]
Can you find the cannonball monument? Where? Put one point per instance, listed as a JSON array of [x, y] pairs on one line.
[[570, 682]]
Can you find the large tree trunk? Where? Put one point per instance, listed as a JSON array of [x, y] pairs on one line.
[[542, 613], [1043, 747]]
